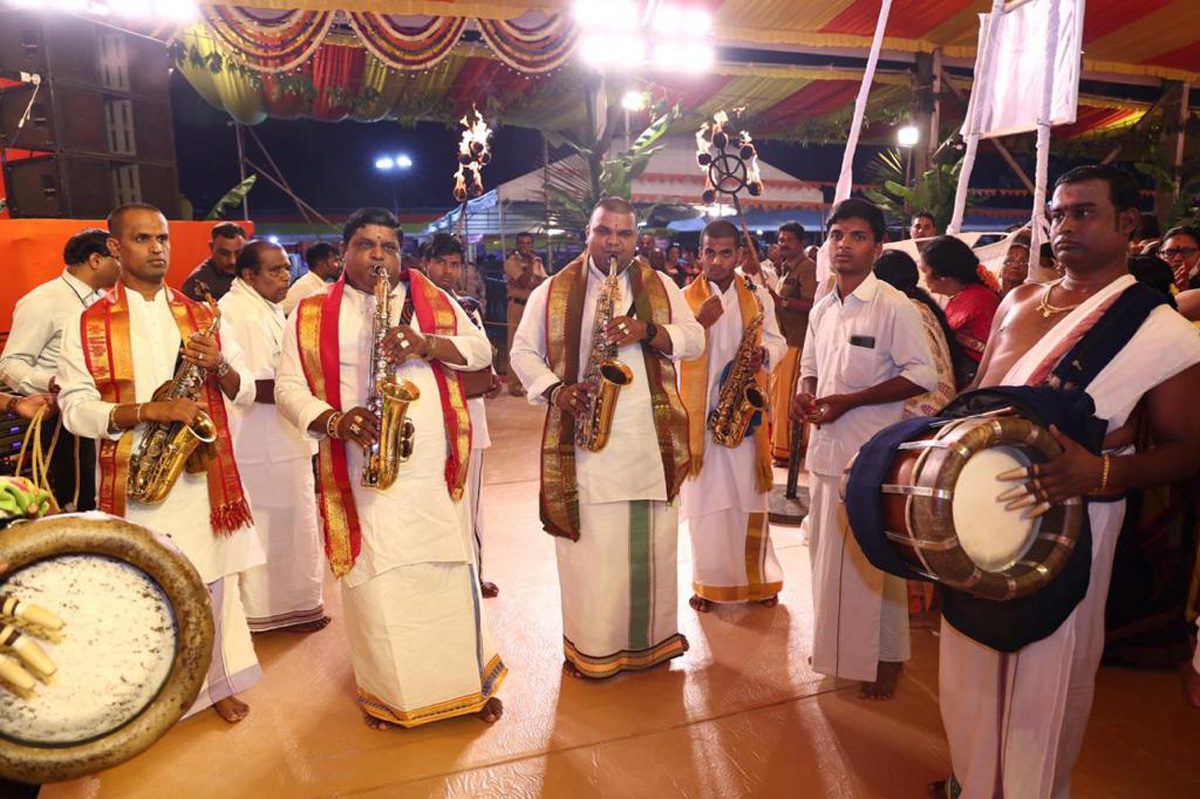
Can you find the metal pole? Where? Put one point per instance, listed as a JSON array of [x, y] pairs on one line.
[[546, 198], [241, 147]]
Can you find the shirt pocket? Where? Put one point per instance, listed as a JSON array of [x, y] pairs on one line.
[[861, 367]]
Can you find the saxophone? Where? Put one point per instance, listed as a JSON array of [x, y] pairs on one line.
[[166, 448], [387, 400], [740, 396], [605, 376]]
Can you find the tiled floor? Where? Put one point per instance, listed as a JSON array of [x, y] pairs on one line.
[[741, 714]]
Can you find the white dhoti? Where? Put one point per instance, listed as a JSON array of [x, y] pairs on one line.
[[619, 587], [1016, 721], [234, 667], [860, 614], [733, 559], [286, 590], [419, 645], [475, 492]]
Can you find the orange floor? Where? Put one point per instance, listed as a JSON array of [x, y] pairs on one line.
[[741, 714]]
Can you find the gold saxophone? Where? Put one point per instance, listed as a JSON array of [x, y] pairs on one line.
[[605, 376], [740, 396], [387, 400], [166, 448]]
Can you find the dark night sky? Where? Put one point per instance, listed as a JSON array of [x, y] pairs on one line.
[[331, 166]]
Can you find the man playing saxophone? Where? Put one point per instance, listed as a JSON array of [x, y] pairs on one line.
[[110, 392], [377, 385], [611, 500], [725, 391]]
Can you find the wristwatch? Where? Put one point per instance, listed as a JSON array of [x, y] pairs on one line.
[[651, 332]]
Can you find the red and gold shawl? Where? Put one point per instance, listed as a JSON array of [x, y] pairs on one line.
[[693, 377], [317, 339], [107, 348], [559, 498]]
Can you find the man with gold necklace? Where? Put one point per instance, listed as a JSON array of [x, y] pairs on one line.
[[1016, 720]]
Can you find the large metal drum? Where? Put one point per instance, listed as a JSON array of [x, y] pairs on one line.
[[133, 653], [941, 512]]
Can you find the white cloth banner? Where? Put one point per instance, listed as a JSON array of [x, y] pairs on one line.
[[1010, 101]]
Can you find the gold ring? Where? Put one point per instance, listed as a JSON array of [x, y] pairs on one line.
[[403, 344]]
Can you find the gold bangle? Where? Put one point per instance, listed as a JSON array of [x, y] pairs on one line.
[[331, 424], [112, 419], [138, 407], [1104, 474]]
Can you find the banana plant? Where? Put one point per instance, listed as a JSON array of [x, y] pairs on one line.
[[934, 191], [232, 198], [575, 184]]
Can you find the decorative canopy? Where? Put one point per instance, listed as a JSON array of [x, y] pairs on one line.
[[407, 59]]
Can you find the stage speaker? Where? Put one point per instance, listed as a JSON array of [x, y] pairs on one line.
[[87, 187]]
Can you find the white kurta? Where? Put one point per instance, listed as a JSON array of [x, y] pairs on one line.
[[276, 465], [184, 515], [1047, 695], [418, 641], [618, 582], [860, 613], [617, 473], [732, 554], [306, 285]]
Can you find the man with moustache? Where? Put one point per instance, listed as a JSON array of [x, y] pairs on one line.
[[524, 272], [215, 275], [613, 511], [793, 301], [410, 593], [275, 457], [106, 392]]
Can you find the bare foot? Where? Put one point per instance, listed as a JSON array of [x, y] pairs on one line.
[[571, 670], [377, 724], [232, 709], [492, 711], [1191, 685], [770, 601], [489, 589], [700, 604], [884, 687], [309, 627]]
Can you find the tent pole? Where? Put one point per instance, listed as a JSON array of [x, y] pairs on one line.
[[975, 114], [503, 245], [241, 145], [1038, 218], [860, 105], [546, 197]]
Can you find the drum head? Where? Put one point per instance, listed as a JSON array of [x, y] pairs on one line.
[[134, 652], [994, 539]]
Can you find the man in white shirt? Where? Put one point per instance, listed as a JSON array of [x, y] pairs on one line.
[[275, 458], [30, 357], [324, 265], [614, 510], [442, 261], [725, 497], [865, 354], [410, 594], [107, 393]]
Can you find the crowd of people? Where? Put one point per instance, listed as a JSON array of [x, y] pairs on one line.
[[350, 420]]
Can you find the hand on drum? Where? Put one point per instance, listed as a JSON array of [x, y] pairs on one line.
[[360, 426], [1072, 474], [23, 661]]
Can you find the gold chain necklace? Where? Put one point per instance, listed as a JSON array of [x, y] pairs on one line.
[[1049, 310]]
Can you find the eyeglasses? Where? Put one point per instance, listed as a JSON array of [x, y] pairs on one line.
[[1179, 252]]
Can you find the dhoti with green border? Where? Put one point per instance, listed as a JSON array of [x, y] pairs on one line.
[[620, 587]]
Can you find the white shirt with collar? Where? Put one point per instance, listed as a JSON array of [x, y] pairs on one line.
[[415, 520], [622, 471], [260, 433], [893, 344], [306, 285], [31, 353], [184, 515]]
